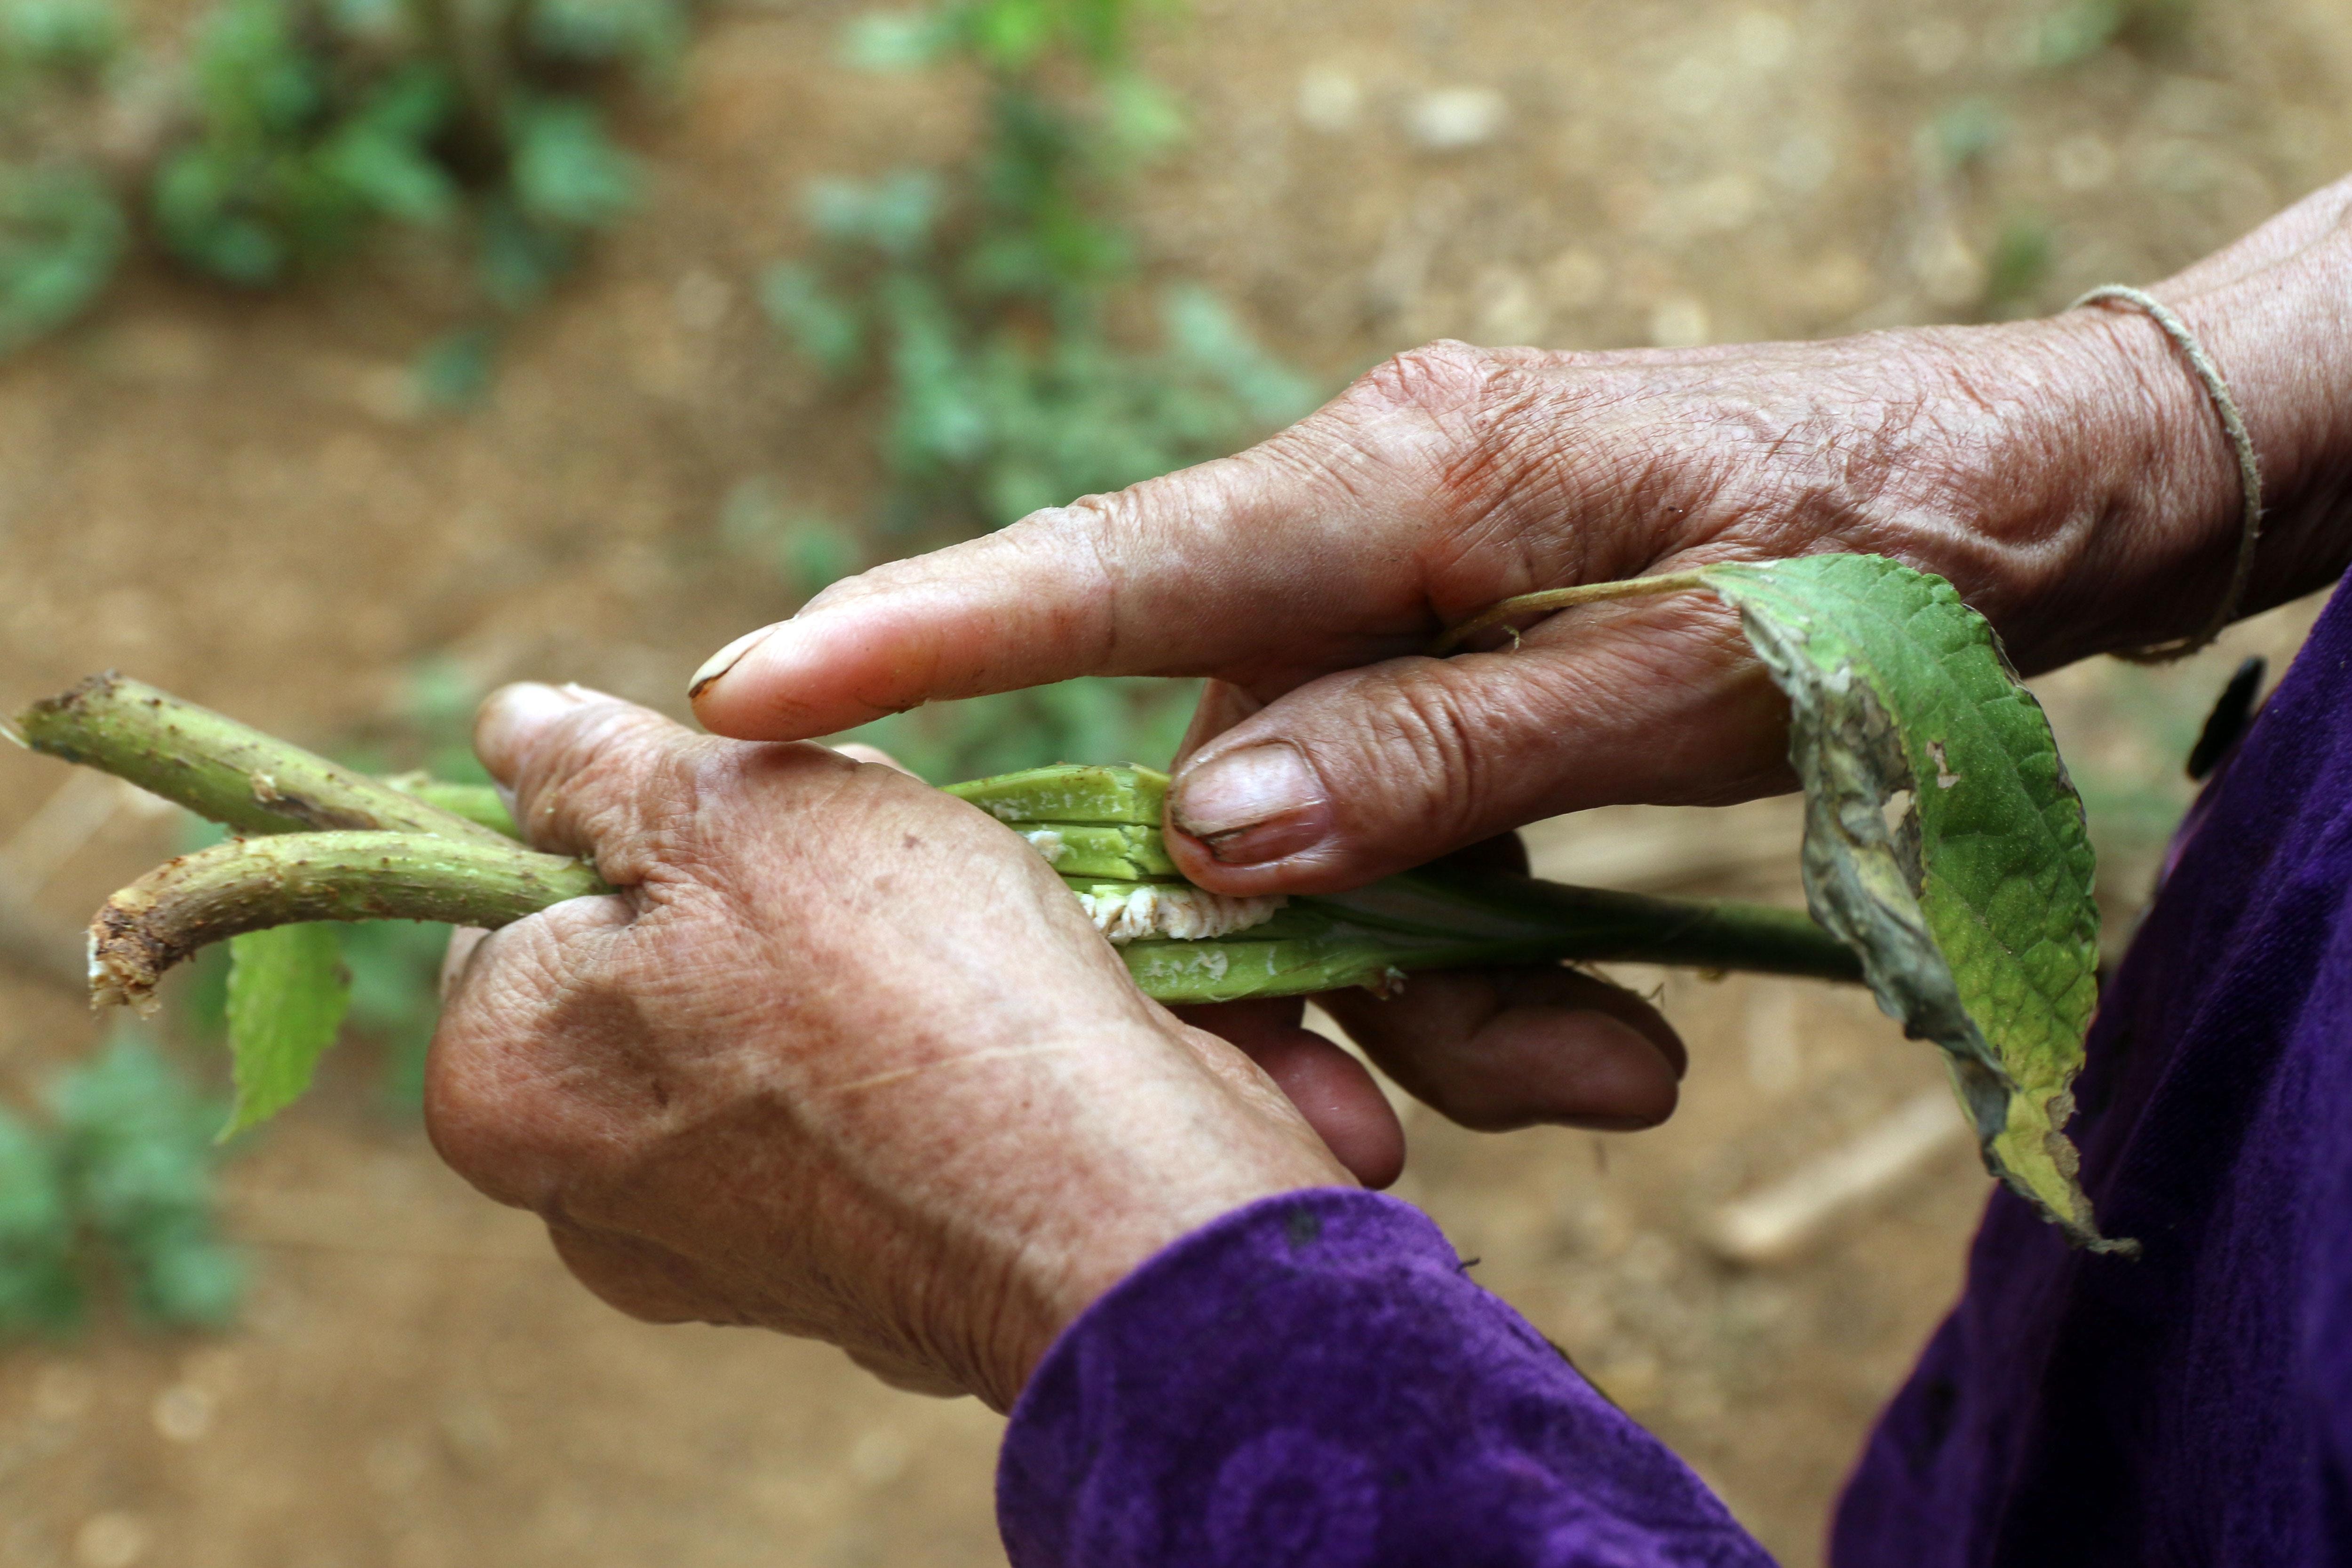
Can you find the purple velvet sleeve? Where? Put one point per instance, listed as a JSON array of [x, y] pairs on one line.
[[1313, 1381]]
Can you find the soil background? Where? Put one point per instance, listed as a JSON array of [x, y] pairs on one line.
[[236, 498]]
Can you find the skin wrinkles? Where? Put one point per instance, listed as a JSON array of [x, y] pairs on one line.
[[1106, 586], [1441, 382], [943, 1227], [1427, 719], [939, 1064]]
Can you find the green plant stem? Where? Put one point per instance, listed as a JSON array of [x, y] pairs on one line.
[[1552, 599], [230, 772], [1378, 935], [477, 803], [1490, 917], [252, 884], [412, 847]]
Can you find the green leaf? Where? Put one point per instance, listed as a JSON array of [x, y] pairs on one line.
[[286, 996], [895, 213], [72, 37], [650, 33], [518, 257], [455, 370], [1010, 34], [1138, 116], [1943, 842]]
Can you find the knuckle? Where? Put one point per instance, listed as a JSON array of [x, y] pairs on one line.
[[616, 775], [1444, 378], [1485, 434], [1425, 751]]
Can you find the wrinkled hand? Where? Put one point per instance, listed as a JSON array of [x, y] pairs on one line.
[[1307, 575], [1304, 576], [2068, 476], [842, 1058]]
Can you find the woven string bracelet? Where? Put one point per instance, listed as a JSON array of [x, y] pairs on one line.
[[2250, 469]]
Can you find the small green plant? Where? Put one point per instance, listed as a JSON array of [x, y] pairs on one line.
[[2024, 254], [2080, 29], [116, 1183], [998, 309], [307, 125], [984, 299]]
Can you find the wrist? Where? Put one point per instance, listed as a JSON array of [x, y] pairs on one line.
[[2168, 547], [2074, 479], [2145, 482], [1170, 1148], [1055, 1281]]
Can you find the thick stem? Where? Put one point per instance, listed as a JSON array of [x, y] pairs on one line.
[[1378, 935], [477, 803], [444, 855], [250, 884], [1494, 918], [220, 769], [1552, 599]]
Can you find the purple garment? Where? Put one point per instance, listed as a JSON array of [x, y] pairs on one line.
[[1314, 1382]]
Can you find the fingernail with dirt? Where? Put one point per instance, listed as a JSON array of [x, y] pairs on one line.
[[725, 660], [1258, 804]]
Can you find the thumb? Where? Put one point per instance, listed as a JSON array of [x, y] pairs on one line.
[[1250, 567], [591, 775], [1367, 772]]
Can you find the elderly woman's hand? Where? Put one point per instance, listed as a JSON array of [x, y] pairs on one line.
[[2068, 476], [843, 1058]]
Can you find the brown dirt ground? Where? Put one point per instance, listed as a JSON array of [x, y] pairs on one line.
[[231, 498]]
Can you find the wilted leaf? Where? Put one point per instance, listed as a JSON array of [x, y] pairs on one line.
[[1943, 841], [287, 996]]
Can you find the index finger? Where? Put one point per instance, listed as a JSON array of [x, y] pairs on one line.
[[1262, 566]]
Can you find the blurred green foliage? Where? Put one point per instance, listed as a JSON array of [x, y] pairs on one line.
[[806, 549], [309, 124], [71, 38], [61, 236], [2080, 29], [984, 299], [1091, 721], [1964, 134], [998, 307], [2023, 253], [114, 1184]]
